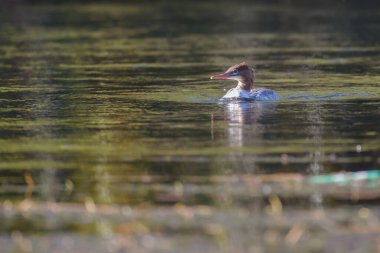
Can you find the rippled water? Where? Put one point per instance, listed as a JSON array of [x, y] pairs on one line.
[[111, 104]]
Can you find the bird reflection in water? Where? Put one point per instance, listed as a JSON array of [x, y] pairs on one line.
[[247, 127], [243, 118], [244, 126]]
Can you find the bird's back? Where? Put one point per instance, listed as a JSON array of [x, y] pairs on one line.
[[263, 94], [254, 94]]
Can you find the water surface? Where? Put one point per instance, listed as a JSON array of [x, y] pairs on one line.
[[107, 112]]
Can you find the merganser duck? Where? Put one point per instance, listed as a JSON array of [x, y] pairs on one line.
[[245, 76]]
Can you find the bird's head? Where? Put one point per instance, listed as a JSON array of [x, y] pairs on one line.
[[240, 72]]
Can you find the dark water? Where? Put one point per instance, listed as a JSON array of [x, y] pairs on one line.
[[112, 138]]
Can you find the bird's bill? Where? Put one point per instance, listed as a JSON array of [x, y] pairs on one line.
[[222, 76]]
